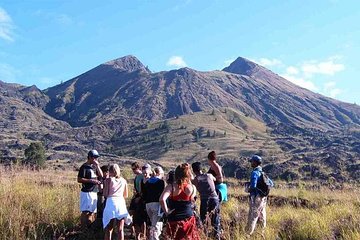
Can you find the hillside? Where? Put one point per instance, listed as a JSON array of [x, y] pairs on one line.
[[121, 107]]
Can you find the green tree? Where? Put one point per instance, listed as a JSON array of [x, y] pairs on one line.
[[35, 154]]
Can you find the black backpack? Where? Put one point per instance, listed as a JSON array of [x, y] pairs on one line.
[[264, 185]]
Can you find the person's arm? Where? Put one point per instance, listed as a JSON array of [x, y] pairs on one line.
[[211, 177], [164, 196], [82, 178], [126, 190], [106, 187], [253, 181], [98, 169], [144, 190], [219, 174], [193, 194], [86, 180]]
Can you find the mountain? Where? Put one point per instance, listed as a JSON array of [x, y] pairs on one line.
[[23, 121], [31, 95], [120, 90], [122, 107]]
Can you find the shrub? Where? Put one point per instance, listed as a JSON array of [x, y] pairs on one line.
[[35, 154]]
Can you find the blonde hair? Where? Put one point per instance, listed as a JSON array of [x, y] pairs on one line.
[[114, 168]]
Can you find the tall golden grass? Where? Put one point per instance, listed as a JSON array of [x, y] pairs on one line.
[[44, 205]]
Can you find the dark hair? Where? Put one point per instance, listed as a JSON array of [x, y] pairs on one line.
[[135, 165], [212, 156], [105, 168], [171, 177], [182, 174], [196, 167]]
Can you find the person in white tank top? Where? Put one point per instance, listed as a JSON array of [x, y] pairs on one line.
[[115, 212]]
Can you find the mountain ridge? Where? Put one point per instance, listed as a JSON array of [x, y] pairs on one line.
[[123, 99]]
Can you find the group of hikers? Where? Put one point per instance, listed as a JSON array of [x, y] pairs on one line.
[[163, 202]]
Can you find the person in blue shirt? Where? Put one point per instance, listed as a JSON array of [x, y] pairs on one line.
[[257, 203]]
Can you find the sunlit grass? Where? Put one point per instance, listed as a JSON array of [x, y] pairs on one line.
[[44, 205]]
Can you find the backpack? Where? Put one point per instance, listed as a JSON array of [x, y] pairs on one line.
[[264, 185]]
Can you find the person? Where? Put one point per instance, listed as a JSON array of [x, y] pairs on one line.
[[257, 203], [209, 200], [88, 177], [136, 204], [153, 188], [115, 212], [216, 171], [147, 173], [170, 177], [101, 198], [181, 222]]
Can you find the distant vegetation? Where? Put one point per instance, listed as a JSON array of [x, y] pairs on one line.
[[35, 155]]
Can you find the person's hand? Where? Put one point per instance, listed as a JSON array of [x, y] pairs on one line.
[[169, 212], [95, 181], [96, 162]]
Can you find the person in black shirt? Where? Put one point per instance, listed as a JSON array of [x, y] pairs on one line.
[[101, 198], [152, 191], [88, 177]]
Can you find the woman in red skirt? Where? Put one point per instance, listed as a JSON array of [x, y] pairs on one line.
[[176, 201]]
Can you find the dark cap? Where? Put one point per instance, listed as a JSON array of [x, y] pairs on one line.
[[256, 158], [93, 153]]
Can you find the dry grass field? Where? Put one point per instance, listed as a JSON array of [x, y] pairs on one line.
[[44, 205]]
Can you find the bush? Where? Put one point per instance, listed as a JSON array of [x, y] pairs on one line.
[[35, 154]]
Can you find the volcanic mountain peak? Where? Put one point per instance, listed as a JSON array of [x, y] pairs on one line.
[[128, 63], [242, 66]]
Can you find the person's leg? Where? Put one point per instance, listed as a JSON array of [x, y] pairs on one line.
[[108, 230], [203, 209], [120, 225], [263, 212], [86, 219], [152, 217], [155, 221], [253, 214], [214, 213]]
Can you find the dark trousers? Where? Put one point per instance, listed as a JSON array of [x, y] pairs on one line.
[[100, 205], [210, 207]]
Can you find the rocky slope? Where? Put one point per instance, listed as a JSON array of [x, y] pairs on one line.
[[120, 105]]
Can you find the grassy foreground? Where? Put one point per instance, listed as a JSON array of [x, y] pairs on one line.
[[44, 205]]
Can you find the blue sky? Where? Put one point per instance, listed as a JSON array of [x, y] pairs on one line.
[[315, 44]]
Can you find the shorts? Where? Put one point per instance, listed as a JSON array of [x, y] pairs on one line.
[[88, 202]]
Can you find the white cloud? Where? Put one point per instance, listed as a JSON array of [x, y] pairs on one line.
[[305, 83], [176, 61], [6, 26], [59, 18], [269, 62], [331, 90], [328, 67], [292, 70]]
